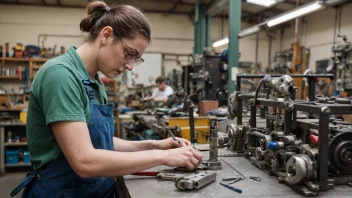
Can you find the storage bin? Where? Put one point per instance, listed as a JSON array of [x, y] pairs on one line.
[[11, 157], [26, 157]]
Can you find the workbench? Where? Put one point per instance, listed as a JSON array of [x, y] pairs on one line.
[[268, 187]]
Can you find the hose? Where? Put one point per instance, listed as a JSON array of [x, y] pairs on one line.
[[266, 79]]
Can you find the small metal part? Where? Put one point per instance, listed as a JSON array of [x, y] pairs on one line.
[[228, 178], [168, 176], [236, 180], [213, 162], [258, 179], [195, 181]]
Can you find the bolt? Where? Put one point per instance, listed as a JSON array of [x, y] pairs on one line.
[[325, 110], [292, 171]]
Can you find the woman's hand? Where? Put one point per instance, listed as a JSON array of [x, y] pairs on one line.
[[184, 156], [170, 143]]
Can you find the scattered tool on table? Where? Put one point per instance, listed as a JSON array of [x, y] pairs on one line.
[[233, 168], [258, 179], [231, 187]]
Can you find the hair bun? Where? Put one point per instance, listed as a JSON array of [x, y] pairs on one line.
[[95, 11]]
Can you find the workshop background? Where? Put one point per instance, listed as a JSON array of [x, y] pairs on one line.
[[49, 27]]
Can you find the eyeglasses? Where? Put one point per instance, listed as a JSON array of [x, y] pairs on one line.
[[131, 54]]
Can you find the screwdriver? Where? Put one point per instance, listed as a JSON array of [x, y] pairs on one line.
[[173, 137], [231, 187]]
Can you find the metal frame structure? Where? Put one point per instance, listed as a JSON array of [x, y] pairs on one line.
[[311, 92], [322, 110]]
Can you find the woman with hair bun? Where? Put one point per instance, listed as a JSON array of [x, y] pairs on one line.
[[70, 126]]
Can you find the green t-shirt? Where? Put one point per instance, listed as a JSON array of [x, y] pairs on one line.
[[58, 94]]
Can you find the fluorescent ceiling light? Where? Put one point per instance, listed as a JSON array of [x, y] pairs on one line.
[[294, 14], [221, 42], [249, 31], [265, 3]]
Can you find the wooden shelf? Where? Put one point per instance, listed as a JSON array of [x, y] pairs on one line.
[[14, 109], [15, 59], [9, 78], [8, 124], [16, 144], [39, 59], [21, 164], [24, 59]]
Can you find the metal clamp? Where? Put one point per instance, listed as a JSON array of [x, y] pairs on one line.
[[195, 181]]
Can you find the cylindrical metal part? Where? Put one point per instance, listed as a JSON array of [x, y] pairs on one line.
[[213, 152], [289, 140], [191, 125]]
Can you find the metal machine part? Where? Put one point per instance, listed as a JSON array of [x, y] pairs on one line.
[[168, 176], [299, 169], [213, 162], [237, 135], [341, 65], [195, 181], [309, 155], [223, 139], [283, 86]]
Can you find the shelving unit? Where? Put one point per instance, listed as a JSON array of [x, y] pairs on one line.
[[4, 145], [21, 164], [16, 144]]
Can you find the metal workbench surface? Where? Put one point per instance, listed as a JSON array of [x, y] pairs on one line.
[[268, 187]]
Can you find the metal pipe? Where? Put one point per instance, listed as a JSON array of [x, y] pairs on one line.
[[253, 115], [323, 150], [288, 122]]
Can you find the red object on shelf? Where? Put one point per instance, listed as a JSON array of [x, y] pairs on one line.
[[314, 139], [23, 139]]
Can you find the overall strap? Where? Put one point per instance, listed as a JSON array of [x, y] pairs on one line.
[[89, 90]]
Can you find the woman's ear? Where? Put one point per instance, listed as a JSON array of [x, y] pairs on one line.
[[106, 34]]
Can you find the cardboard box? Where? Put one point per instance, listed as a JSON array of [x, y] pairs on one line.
[[207, 105]]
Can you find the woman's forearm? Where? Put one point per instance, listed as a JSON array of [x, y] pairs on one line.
[[131, 146], [105, 163]]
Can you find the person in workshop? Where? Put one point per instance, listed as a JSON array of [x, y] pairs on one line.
[[162, 92], [70, 126]]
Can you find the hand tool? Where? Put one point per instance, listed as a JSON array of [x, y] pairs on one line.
[[258, 179], [168, 176], [228, 178], [173, 136], [233, 168], [231, 187], [236, 180]]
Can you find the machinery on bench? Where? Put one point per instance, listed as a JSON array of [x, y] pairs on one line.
[[311, 154]]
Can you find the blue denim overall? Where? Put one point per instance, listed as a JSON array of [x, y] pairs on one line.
[[58, 179]]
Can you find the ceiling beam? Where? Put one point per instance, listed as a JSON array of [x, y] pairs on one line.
[[172, 9], [216, 7]]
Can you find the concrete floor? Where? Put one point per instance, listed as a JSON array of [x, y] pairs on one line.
[[149, 187]]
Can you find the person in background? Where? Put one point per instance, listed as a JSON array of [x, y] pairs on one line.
[[162, 92]]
